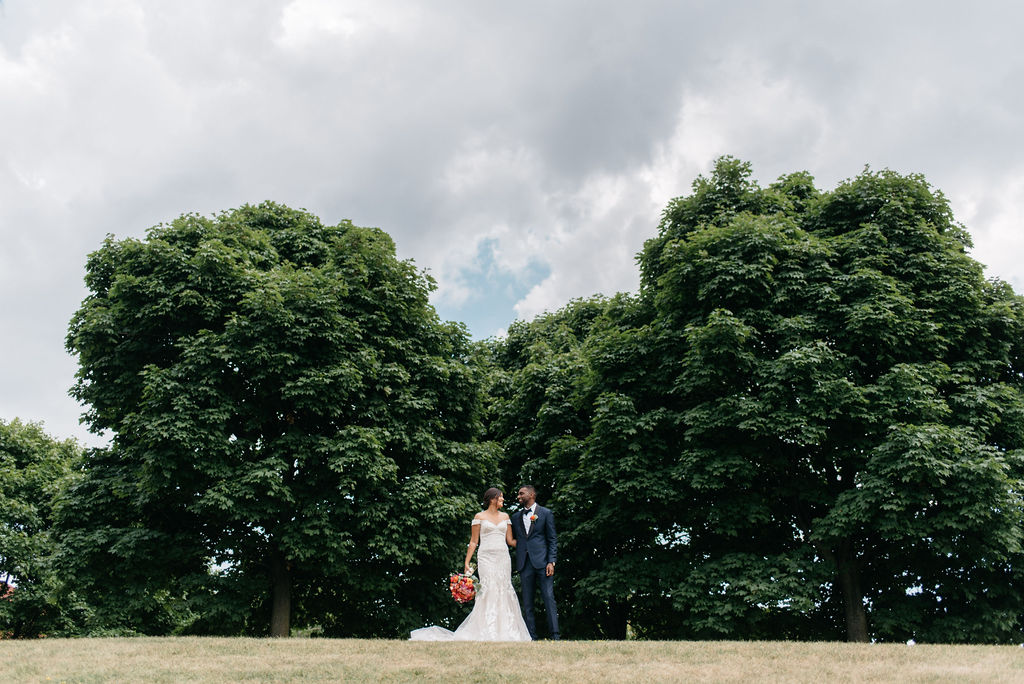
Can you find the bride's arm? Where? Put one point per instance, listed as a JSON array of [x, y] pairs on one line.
[[510, 538], [474, 538]]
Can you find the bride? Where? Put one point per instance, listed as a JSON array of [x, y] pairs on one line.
[[496, 615]]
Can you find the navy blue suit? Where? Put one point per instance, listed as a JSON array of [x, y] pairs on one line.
[[534, 550]]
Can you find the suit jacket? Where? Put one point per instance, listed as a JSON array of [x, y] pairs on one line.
[[541, 544]]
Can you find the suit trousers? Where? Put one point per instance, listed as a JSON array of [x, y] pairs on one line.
[[530, 578]]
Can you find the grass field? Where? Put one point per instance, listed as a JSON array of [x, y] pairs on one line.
[[352, 660]]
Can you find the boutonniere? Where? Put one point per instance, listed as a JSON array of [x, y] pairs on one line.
[[533, 518]]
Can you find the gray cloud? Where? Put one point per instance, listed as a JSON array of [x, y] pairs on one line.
[[546, 137]]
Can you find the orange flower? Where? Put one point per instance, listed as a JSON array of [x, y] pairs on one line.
[[461, 587]]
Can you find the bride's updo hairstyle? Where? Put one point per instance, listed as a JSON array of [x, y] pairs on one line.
[[490, 495]]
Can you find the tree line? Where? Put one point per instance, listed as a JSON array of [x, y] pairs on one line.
[[807, 423]]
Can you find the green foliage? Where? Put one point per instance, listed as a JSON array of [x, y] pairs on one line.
[[807, 424], [34, 471], [286, 408]]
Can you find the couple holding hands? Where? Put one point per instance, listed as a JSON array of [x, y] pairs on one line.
[[496, 615]]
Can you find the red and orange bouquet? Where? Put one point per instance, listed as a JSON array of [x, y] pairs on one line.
[[463, 586]]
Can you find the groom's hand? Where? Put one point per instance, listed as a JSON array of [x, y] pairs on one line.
[[550, 569]]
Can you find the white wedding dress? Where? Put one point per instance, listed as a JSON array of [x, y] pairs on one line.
[[496, 615]]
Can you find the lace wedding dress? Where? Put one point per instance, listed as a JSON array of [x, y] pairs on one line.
[[496, 615]]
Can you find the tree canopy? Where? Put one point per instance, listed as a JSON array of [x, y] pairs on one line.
[[34, 471], [807, 424], [294, 427]]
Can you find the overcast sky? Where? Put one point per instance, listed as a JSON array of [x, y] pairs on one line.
[[520, 151]]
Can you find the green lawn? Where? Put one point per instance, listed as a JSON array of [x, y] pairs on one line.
[[347, 660]]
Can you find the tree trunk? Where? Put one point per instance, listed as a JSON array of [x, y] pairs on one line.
[[853, 599], [618, 620], [281, 606]]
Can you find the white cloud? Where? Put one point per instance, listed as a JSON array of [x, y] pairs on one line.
[[304, 21], [598, 229], [308, 23], [994, 214]]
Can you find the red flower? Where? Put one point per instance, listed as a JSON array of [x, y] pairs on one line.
[[463, 587], [533, 518]]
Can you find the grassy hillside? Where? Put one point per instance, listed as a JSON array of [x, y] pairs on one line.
[[288, 660]]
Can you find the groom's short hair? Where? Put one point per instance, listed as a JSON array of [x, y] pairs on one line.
[[530, 488]]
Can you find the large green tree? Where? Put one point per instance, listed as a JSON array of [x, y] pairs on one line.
[[35, 469], [573, 401], [849, 388], [294, 429], [808, 424], [539, 409]]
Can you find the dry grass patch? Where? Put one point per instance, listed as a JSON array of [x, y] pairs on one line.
[[354, 660]]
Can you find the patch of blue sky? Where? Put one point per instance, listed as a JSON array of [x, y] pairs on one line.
[[494, 290]]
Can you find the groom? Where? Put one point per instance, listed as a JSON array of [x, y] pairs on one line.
[[536, 550]]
